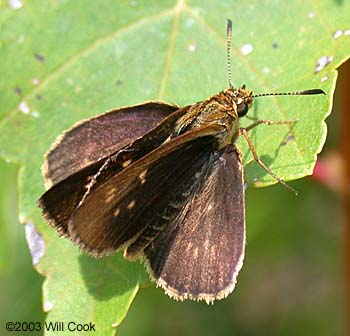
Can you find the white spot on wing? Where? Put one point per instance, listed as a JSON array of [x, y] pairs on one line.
[[142, 176], [311, 15], [109, 198], [116, 212], [126, 163], [131, 204]]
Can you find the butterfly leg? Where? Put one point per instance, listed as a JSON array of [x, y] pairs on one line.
[[269, 122], [244, 132]]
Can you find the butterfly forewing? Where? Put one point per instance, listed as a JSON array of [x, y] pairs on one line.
[[61, 200], [98, 137], [199, 255]]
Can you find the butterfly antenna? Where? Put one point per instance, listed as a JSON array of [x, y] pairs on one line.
[[229, 36], [293, 93]]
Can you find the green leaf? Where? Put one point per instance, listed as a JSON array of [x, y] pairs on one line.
[[69, 60]]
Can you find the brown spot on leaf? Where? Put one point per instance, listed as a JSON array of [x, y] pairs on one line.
[[39, 57]]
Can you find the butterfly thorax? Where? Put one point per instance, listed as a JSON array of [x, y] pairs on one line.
[[223, 109]]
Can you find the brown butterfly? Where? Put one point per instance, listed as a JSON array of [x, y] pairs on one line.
[[164, 183]]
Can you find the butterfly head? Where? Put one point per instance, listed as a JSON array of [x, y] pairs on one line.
[[242, 98]]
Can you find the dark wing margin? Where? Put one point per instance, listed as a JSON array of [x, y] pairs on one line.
[[116, 212], [198, 255], [98, 137]]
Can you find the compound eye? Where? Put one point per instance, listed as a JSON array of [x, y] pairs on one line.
[[242, 109]]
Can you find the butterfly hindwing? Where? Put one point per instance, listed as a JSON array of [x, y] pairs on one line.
[[200, 253]]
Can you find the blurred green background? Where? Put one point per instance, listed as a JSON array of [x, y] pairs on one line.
[[291, 282]]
